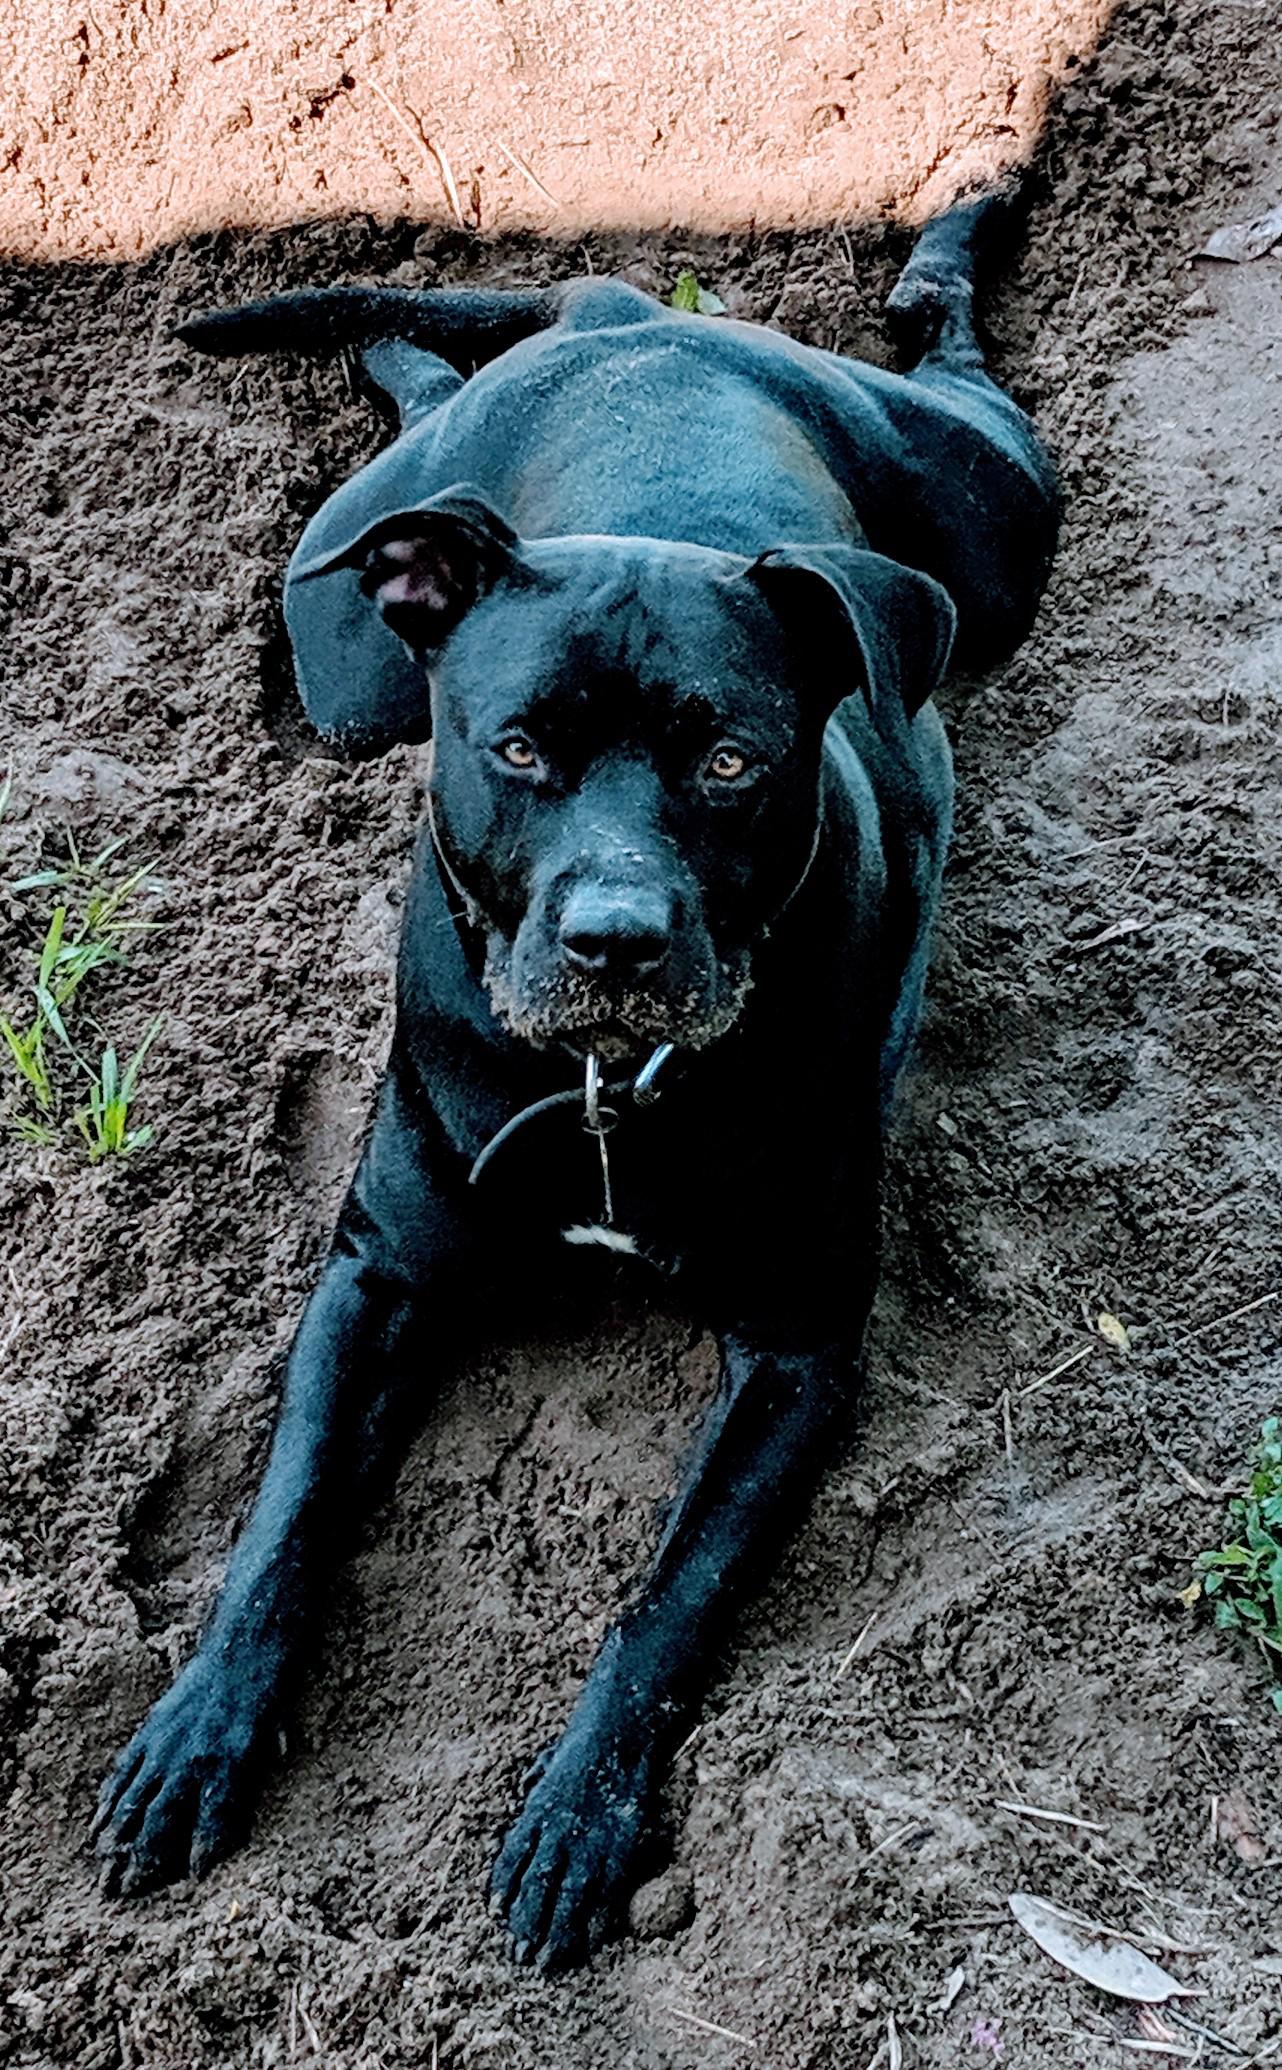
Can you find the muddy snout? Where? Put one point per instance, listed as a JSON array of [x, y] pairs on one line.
[[619, 931]]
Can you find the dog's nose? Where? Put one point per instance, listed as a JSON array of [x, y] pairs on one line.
[[616, 932]]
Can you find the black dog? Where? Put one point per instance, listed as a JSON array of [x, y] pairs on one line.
[[669, 596]]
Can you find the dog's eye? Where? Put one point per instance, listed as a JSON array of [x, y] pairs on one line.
[[518, 753], [726, 764]]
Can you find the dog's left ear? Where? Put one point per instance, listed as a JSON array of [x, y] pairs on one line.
[[865, 622]]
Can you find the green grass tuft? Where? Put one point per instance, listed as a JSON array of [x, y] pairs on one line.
[[1242, 1579], [92, 925], [104, 1120]]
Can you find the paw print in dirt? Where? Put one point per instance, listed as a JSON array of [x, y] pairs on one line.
[[576, 1852]]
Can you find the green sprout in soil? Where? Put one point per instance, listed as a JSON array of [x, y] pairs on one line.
[[104, 1121], [1242, 1579], [694, 300], [90, 927]]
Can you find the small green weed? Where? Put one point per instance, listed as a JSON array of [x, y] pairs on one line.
[[694, 300], [91, 926], [104, 1121], [1242, 1579], [28, 1054]]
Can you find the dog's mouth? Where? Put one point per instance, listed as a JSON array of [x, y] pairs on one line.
[[560, 1008]]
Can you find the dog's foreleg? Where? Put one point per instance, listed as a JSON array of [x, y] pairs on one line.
[[180, 1793], [569, 1861]]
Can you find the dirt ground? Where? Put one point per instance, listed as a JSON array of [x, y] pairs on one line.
[[1093, 1125], [147, 120]]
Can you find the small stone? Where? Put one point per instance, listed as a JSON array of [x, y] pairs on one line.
[[1199, 303], [663, 1906]]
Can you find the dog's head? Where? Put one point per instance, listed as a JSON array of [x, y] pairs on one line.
[[626, 740]]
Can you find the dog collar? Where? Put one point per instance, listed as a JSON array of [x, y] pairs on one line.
[[599, 1117]]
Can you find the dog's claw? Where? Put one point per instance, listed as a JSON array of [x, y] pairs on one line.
[[168, 1806], [573, 1854]]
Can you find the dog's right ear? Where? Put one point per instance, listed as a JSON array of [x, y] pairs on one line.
[[425, 567], [413, 573]]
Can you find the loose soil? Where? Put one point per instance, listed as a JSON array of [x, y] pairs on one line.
[[1093, 1126]]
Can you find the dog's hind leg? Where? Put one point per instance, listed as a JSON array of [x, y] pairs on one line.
[[931, 309], [413, 381], [975, 502]]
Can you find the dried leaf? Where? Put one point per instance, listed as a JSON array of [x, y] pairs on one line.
[[1243, 241], [1191, 1595], [1111, 1965], [953, 1989], [1113, 1330]]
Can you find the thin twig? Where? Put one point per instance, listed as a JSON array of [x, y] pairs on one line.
[[310, 2026], [1115, 933], [1207, 2033], [687, 1743], [1008, 1429], [1136, 1934], [1065, 1365], [853, 1654], [418, 136], [18, 1320], [1058, 1818], [1105, 841], [1217, 1322], [514, 158], [711, 2027], [893, 1838], [1175, 1467]]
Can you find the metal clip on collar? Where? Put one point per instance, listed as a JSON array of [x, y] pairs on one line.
[[598, 1120]]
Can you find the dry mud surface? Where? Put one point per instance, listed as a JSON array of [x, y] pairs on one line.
[[1093, 1125], [137, 122]]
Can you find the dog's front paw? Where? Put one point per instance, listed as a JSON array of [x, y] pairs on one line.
[[570, 1861], [177, 1797]]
